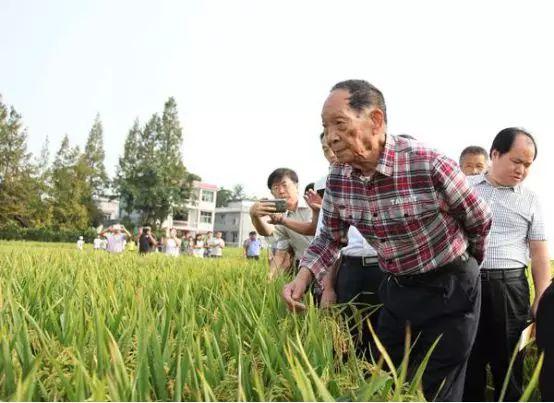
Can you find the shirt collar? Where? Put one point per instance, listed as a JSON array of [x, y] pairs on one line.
[[482, 178], [385, 165]]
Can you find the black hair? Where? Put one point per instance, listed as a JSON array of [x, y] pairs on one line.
[[475, 150], [504, 140], [362, 95], [279, 174], [252, 233], [309, 186]]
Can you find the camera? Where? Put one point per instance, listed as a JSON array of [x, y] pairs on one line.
[[280, 205]]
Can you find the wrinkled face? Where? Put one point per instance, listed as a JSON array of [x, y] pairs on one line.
[[286, 189], [327, 152], [349, 132], [473, 164], [511, 168]]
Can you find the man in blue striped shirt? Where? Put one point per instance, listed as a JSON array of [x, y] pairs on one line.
[[517, 231]]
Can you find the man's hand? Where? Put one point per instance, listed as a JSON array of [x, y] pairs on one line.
[[262, 208], [294, 291], [276, 218], [313, 200]]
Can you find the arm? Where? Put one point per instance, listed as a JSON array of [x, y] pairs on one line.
[[473, 214], [280, 263], [126, 232], [300, 227], [540, 269], [329, 296]]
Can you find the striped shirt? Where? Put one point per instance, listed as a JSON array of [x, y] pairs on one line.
[[516, 220], [417, 211]]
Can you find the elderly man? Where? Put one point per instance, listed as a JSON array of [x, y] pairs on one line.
[[415, 207], [517, 229], [283, 184]]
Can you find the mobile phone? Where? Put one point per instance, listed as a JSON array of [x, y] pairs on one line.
[[280, 205]]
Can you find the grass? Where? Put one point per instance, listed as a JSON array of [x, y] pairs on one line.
[[92, 326]]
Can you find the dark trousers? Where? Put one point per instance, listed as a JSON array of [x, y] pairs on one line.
[[442, 303], [504, 314], [357, 285], [545, 341]]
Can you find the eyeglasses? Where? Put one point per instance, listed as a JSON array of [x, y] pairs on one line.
[[284, 185]]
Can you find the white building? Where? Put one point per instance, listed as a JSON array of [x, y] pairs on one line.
[[198, 215], [108, 207], [234, 221]]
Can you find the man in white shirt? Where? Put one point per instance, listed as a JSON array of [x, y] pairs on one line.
[[116, 238]]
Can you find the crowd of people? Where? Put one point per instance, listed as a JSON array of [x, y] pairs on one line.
[[413, 238]]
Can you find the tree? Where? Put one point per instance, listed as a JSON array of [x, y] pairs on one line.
[[224, 196], [18, 188], [70, 191], [238, 192], [151, 177], [94, 158]]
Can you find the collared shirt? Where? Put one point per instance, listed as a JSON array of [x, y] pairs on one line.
[[357, 245], [298, 242], [253, 247], [417, 210], [516, 220]]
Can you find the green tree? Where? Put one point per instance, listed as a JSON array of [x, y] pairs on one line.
[[69, 189], [18, 187], [224, 196], [151, 177], [94, 158]]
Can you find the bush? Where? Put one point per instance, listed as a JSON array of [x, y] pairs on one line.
[[46, 234]]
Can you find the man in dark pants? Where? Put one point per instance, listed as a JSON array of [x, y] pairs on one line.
[[517, 232], [415, 208], [545, 341]]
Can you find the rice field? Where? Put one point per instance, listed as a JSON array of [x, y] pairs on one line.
[[92, 326]]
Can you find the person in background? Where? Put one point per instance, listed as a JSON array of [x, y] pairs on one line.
[[147, 242], [216, 245], [252, 246], [80, 243], [413, 205], [517, 233], [185, 242], [116, 238], [172, 242], [283, 184], [207, 242], [97, 243], [198, 248], [545, 341], [474, 160]]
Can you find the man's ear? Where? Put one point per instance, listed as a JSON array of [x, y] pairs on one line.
[[378, 119]]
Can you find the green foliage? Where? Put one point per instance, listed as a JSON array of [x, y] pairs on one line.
[[45, 234], [93, 156], [151, 176]]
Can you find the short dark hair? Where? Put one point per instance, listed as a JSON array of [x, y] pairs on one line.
[[475, 150], [279, 174], [504, 140], [362, 95], [309, 186], [252, 233]]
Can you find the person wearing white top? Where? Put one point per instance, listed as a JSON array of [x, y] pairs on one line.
[[80, 243], [172, 242], [97, 243], [198, 247], [115, 238], [216, 245]]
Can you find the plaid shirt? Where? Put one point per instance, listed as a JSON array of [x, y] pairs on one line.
[[418, 211]]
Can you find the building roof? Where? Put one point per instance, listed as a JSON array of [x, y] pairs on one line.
[[204, 185]]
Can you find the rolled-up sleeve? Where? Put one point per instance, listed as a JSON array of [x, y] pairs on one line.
[[472, 212], [324, 248]]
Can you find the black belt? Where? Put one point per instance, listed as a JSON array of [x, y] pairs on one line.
[[502, 274], [364, 261], [417, 278]]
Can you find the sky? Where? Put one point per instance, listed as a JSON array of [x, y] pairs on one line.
[[250, 77]]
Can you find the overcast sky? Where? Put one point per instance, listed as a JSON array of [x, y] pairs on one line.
[[250, 77]]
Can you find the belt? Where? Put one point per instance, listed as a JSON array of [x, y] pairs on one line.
[[502, 274], [364, 261], [418, 278]]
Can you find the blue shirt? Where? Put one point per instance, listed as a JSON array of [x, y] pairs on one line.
[[253, 247]]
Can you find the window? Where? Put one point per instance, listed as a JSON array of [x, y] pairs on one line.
[[234, 236], [181, 216], [207, 196], [206, 217]]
